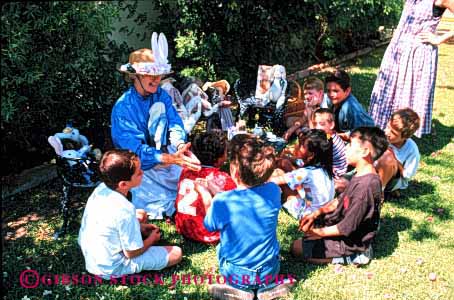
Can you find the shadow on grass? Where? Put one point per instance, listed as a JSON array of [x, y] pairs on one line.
[[441, 136], [421, 196], [422, 232], [27, 260], [387, 239]]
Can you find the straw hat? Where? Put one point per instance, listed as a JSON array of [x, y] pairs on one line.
[[223, 84], [149, 62]]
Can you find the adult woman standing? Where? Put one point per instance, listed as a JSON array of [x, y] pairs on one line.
[[409, 67]]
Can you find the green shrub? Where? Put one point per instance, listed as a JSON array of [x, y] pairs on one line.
[[221, 39], [57, 65]]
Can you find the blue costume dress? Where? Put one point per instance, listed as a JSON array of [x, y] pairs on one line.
[[143, 125]]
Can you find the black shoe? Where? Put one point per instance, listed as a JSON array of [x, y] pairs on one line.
[[226, 292], [277, 291]]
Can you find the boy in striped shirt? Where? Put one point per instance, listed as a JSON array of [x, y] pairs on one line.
[[323, 119]]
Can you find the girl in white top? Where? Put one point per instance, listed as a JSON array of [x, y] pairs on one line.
[[313, 180]]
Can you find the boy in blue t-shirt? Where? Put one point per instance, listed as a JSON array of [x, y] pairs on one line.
[[247, 217]]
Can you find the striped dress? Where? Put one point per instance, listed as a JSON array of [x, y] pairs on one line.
[[409, 68]]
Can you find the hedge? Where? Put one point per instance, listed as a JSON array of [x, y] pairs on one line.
[[58, 63]]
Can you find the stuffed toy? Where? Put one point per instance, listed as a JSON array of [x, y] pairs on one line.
[[278, 87], [271, 88], [74, 147]]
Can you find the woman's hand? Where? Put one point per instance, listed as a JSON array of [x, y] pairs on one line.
[[183, 157], [434, 39], [429, 38]]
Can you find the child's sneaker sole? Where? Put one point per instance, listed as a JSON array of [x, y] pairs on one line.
[[276, 292], [226, 292]]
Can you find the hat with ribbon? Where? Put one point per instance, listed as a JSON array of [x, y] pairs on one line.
[[149, 62]]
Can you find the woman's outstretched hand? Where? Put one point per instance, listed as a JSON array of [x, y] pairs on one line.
[[186, 158]]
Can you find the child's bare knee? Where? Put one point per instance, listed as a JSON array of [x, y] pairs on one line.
[[175, 255]]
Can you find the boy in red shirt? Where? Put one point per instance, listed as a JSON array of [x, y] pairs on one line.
[[191, 204]]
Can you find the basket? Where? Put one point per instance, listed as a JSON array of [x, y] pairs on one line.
[[295, 104]]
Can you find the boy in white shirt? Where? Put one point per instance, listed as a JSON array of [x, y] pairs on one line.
[[399, 163], [113, 241]]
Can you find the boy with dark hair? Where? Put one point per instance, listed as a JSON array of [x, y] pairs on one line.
[[351, 220], [246, 217], [110, 235], [399, 163], [348, 112], [196, 188]]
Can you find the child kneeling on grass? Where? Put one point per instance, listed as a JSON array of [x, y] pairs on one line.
[[351, 220], [196, 188], [110, 235], [247, 220]]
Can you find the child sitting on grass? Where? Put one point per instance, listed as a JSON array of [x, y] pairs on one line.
[[247, 217], [113, 241], [323, 119], [313, 180], [399, 163], [192, 203], [351, 220], [349, 113]]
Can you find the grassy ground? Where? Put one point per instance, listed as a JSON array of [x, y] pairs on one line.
[[416, 240]]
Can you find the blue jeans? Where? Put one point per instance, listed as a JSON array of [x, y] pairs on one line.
[[265, 276]]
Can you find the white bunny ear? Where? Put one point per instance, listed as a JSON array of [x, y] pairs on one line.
[[163, 47], [56, 144], [154, 43]]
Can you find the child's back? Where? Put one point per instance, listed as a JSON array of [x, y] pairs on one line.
[[247, 218], [315, 188], [190, 205]]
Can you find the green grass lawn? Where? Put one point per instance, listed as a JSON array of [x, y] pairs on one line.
[[416, 236]]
